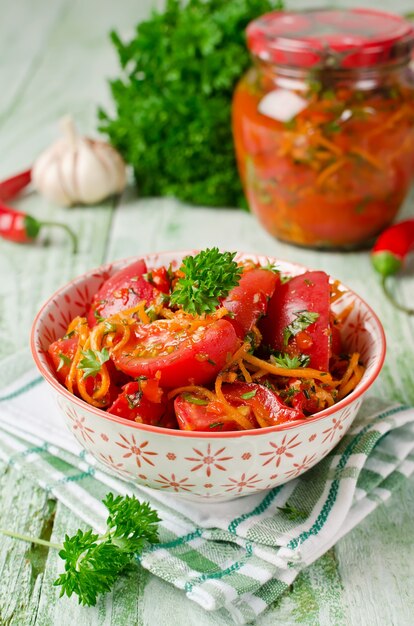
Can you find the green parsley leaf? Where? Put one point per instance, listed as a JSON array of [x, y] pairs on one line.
[[134, 399], [63, 360], [93, 562], [249, 394], [292, 513], [194, 399], [208, 276], [98, 317], [91, 364], [302, 320], [291, 362], [215, 424]]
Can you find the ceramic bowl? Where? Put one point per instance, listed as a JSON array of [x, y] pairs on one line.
[[199, 465]]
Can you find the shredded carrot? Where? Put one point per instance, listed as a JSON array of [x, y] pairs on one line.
[[231, 410], [305, 372], [244, 371], [330, 170], [322, 141], [366, 156], [343, 315], [143, 316], [196, 389]]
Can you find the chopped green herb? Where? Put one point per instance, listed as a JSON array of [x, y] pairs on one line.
[[271, 267], [211, 362], [332, 127], [292, 513], [215, 424], [290, 124], [302, 320], [109, 328], [63, 360], [362, 205], [69, 335], [93, 361], [194, 399], [134, 399], [98, 317], [249, 394], [308, 282], [208, 276], [152, 313]]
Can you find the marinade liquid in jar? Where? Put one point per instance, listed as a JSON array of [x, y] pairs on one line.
[[324, 124]]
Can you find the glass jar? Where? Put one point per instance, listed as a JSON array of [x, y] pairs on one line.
[[324, 124]]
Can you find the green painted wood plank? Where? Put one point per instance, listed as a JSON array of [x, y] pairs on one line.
[[376, 564], [20, 55], [24, 508]]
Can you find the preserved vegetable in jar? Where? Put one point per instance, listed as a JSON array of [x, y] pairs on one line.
[[323, 124]]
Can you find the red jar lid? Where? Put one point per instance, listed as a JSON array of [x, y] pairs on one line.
[[339, 38]]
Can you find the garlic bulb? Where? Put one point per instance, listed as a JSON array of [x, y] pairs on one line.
[[78, 170]]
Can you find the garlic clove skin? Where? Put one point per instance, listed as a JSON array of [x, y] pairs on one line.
[[47, 176], [78, 170], [94, 180]]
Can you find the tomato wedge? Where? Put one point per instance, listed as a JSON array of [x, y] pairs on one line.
[[133, 405], [126, 289], [177, 352], [248, 301], [258, 402], [309, 292], [61, 353]]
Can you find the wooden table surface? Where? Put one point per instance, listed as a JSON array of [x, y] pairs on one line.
[[55, 58]]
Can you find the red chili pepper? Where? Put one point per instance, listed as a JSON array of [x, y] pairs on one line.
[[389, 253], [10, 187], [18, 226]]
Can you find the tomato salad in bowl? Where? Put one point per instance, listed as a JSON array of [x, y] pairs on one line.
[[207, 375], [214, 344]]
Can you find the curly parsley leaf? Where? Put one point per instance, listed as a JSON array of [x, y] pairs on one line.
[[92, 362], [290, 362], [172, 118], [93, 562], [207, 276], [302, 320]]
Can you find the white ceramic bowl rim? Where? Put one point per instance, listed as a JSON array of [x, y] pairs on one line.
[[354, 395]]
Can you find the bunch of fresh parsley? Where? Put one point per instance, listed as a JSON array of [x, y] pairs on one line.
[[173, 100]]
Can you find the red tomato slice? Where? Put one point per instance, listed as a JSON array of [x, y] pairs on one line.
[[124, 290], [308, 292], [249, 300], [61, 354], [259, 400], [133, 405], [177, 352]]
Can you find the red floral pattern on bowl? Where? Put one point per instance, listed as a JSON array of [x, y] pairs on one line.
[[217, 466]]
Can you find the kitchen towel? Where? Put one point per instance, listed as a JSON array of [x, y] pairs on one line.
[[235, 557]]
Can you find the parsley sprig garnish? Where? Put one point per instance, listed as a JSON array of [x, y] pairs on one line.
[[92, 361], [207, 277], [282, 359], [302, 320], [93, 562]]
